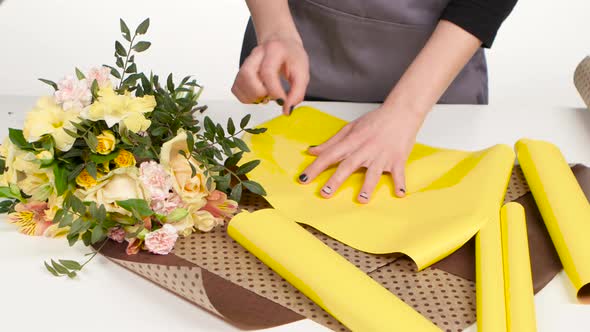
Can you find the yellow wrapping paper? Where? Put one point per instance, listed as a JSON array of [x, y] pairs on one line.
[[564, 208], [518, 282], [489, 274], [323, 275], [451, 194]]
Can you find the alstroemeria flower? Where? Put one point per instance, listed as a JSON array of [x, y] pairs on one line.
[[30, 218], [125, 109], [219, 206], [48, 118]]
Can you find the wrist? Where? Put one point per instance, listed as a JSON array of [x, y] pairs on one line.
[[411, 105]]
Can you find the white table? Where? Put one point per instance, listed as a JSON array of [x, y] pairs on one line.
[[32, 299]]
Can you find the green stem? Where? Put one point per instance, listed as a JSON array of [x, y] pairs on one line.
[[126, 61], [94, 254]]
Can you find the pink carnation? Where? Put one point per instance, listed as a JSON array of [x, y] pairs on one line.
[[73, 93], [101, 75], [155, 178], [117, 234], [167, 205], [161, 241]]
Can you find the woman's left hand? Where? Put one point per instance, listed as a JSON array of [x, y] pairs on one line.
[[379, 141]]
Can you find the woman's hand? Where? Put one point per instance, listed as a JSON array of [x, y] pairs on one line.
[[379, 141], [259, 77]]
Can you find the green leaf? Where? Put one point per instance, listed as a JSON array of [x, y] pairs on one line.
[[114, 72], [100, 159], [125, 30], [120, 63], [97, 234], [245, 121], [91, 168], [77, 226], [256, 131], [72, 275], [101, 215], [60, 269], [140, 205], [241, 144], [170, 83], [17, 138], [51, 270], [254, 187], [94, 89], [236, 192], [77, 205], [86, 238], [48, 82], [71, 133], [233, 160], [247, 167], [219, 131], [143, 27], [75, 172], [120, 50], [65, 221], [142, 46], [190, 142], [209, 125], [61, 179], [6, 192], [92, 141], [231, 128], [79, 74], [72, 265], [131, 69]]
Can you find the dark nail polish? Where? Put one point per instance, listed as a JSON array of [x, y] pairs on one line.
[[291, 109], [303, 177], [312, 146], [402, 190], [364, 195], [327, 190], [280, 101]]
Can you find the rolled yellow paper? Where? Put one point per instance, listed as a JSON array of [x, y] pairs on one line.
[[323, 275], [489, 274], [518, 282], [564, 208]]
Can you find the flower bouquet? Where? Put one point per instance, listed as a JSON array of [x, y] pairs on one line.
[[126, 160]]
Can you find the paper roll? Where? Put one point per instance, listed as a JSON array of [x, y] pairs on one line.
[[582, 80], [324, 276], [564, 208], [518, 283], [489, 275]]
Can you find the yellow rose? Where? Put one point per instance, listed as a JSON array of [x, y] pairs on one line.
[[106, 142], [192, 189], [85, 180], [119, 185], [125, 109], [48, 118], [124, 159]]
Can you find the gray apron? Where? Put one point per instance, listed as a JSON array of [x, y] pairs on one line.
[[359, 49]]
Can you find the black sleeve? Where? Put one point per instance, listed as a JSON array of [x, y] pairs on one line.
[[481, 18]]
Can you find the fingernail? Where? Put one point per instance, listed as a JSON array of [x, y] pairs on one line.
[[280, 101], [303, 177], [312, 146], [291, 109], [402, 190], [327, 190], [364, 195]]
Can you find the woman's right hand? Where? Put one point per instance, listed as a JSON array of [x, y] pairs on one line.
[[260, 74]]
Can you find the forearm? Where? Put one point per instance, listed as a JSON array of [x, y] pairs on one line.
[[272, 19], [433, 70]]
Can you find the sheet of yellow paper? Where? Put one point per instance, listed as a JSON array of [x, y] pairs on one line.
[[564, 208], [323, 275], [489, 274], [518, 280], [451, 194]]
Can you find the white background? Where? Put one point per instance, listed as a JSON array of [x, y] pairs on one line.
[[531, 63]]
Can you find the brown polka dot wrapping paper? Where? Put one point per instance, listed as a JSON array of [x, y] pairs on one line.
[[215, 273]]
